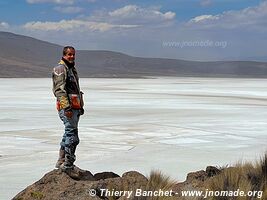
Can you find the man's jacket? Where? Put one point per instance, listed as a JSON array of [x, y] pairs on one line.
[[66, 86]]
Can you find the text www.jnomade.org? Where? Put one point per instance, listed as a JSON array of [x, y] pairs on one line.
[[168, 193], [201, 43]]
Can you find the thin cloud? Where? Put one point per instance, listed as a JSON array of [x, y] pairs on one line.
[[139, 14], [73, 26], [69, 9], [127, 17], [203, 18], [206, 3], [4, 25], [51, 1], [253, 17]]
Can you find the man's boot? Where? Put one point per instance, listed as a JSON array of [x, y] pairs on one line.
[[61, 158], [69, 157], [69, 168]]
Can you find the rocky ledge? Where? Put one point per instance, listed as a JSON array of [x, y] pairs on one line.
[[83, 185]]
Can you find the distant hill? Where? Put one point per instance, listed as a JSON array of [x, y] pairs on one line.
[[23, 56]]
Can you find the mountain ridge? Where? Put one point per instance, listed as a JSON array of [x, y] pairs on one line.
[[26, 57]]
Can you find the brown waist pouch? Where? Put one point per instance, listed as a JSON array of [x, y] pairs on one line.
[[75, 101]]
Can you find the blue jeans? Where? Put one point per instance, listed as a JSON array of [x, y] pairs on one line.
[[70, 139]]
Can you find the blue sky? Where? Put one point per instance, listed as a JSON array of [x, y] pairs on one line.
[[183, 29]]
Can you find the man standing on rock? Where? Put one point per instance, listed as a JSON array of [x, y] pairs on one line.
[[69, 105]]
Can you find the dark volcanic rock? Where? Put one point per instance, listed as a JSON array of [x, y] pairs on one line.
[[105, 175], [197, 176], [81, 184], [196, 180], [212, 171], [58, 185], [80, 175]]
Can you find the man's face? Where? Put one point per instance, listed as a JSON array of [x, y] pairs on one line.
[[70, 55]]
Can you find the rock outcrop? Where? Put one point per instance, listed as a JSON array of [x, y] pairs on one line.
[[80, 184], [83, 185]]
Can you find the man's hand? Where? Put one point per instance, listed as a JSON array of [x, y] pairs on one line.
[[81, 111], [68, 112]]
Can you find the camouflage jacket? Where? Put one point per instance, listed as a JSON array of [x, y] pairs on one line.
[[66, 84]]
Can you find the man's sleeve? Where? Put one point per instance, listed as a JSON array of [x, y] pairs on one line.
[[59, 81]]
